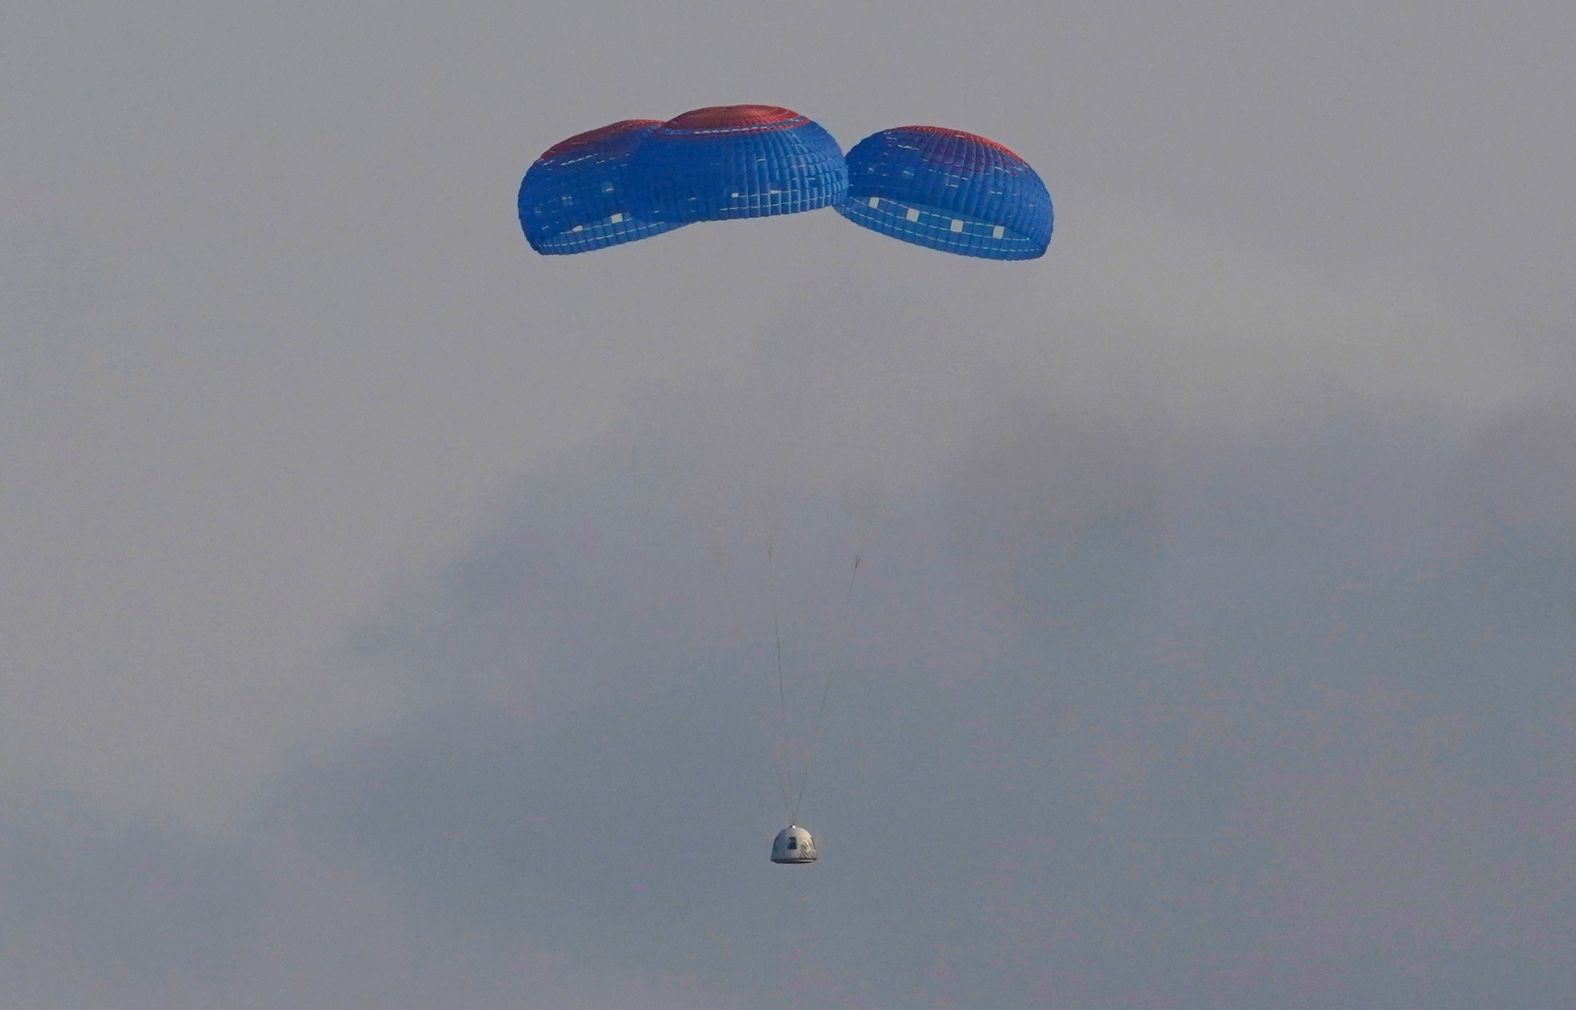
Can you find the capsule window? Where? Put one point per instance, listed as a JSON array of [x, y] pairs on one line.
[[793, 843]]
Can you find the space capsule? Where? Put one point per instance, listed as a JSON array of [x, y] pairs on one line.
[[794, 844]]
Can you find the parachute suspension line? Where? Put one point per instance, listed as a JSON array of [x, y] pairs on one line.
[[784, 773], [826, 686]]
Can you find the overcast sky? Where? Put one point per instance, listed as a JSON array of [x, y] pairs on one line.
[[386, 613]]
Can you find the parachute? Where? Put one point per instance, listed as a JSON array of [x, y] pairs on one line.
[[931, 186], [576, 196], [732, 161], [949, 190]]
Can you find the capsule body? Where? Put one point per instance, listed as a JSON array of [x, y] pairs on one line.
[[794, 845]]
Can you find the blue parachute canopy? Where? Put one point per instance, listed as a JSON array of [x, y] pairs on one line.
[[732, 161], [576, 197], [948, 190]]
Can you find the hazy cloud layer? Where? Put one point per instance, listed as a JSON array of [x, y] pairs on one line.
[[388, 614]]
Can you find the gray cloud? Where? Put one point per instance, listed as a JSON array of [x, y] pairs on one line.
[[387, 616], [99, 913], [1123, 716], [1107, 732]]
